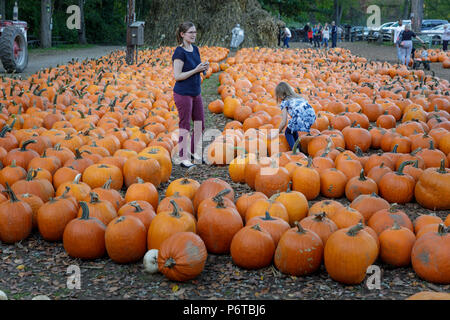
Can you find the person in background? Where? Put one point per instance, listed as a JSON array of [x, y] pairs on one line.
[[397, 32], [316, 36], [326, 35], [306, 30], [406, 44], [446, 37], [333, 34], [286, 36], [310, 36], [302, 114], [187, 67]]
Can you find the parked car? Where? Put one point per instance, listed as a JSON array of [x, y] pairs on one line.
[[434, 35], [374, 33], [357, 33], [427, 24]]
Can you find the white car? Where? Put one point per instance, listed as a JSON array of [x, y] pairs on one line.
[[434, 35], [374, 33]]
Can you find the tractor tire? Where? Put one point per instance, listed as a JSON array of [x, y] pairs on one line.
[[13, 50]]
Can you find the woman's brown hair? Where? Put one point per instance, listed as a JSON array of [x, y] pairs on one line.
[[182, 28], [284, 91]]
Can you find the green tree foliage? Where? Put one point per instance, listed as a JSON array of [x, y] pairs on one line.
[[298, 12], [105, 19]]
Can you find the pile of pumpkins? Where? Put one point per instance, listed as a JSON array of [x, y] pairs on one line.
[[85, 146], [387, 132], [436, 55]]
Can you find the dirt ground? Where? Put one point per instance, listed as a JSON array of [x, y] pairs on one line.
[[34, 267]]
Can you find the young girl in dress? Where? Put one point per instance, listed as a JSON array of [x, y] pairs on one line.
[[301, 113]]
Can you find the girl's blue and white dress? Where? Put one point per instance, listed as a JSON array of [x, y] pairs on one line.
[[301, 112]]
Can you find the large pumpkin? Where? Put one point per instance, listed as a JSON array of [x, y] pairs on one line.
[[16, 218], [182, 256], [125, 239], [348, 252], [299, 252], [84, 237], [433, 187], [430, 256], [252, 248]]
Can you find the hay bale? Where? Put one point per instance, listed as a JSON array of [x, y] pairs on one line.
[[214, 20]]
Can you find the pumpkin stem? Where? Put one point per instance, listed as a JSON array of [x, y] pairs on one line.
[[136, 206], [355, 229], [10, 192], [299, 228], [268, 216], [402, 166], [94, 197], [24, 145], [442, 167], [431, 145], [442, 230], [31, 174], [84, 206], [295, 146], [256, 227], [320, 216], [309, 162], [169, 263], [361, 176], [394, 150], [176, 210], [77, 179], [394, 208], [107, 184]]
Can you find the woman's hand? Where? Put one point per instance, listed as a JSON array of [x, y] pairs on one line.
[[202, 67]]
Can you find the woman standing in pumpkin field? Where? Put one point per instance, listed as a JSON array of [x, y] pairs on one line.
[[302, 114], [187, 66]]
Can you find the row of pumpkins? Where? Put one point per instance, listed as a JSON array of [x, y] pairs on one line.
[[436, 55], [405, 118]]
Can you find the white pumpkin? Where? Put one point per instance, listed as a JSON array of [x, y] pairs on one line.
[[151, 261], [41, 297], [3, 295]]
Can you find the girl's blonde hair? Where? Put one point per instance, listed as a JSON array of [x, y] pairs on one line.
[[183, 28], [284, 91]]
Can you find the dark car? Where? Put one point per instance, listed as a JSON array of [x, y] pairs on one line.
[[357, 33]]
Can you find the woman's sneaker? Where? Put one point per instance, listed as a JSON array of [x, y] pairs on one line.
[[186, 164]]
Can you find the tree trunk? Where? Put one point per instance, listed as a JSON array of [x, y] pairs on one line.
[[337, 6], [406, 9], [46, 14], [82, 31], [416, 15], [2, 9], [130, 19]]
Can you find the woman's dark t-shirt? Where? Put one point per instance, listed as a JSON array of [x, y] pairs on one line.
[[408, 35], [192, 85]]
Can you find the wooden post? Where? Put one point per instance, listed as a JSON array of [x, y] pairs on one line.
[[416, 15], [46, 15], [130, 19]]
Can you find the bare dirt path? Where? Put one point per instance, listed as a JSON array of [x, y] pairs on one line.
[[40, 59]]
